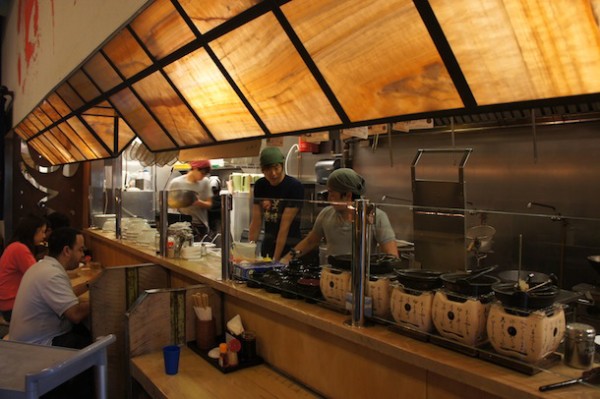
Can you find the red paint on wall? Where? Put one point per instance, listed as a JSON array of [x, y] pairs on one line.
[[29, 35]]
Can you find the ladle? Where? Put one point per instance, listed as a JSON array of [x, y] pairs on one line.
[[591, 376], [535, 287], [476, 274]]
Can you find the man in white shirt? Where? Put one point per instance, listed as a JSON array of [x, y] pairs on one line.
[[47, 306]]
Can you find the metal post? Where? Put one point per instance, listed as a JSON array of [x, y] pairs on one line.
[[226, 207], [117, 183], [163, 223], [363, 217]]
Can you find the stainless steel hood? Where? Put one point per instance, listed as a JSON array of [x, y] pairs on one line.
[[186, 74]]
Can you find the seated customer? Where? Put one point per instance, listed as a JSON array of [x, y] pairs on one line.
[[334, 222], [17, 258], [55, 220], [47, 310]]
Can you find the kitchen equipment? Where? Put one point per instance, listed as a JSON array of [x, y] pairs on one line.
[[379, 289], [469, 284], [334, 285], [514, 276], [419, 279], [529, 335], [412, 307], [579, 345], [538, 296], [243, 251], [181, 198], [591, 377], [479, 238], [461, 318], [379, 263], [324, 167]]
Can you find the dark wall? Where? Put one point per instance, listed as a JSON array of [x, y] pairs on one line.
[[42, 190]]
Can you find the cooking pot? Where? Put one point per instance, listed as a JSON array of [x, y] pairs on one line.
[[419, 279], [380, 263], [533, 298], [181, 198], [532, 278], [479, 238], [470, 284]]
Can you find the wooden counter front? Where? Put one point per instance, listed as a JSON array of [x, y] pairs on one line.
[[313, 345]]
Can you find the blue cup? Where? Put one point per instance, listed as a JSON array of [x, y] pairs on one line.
[[171, 355]]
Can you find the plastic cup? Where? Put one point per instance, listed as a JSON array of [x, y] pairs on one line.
[[171, 356]]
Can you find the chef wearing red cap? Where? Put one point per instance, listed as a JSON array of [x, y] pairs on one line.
[[196, 180]]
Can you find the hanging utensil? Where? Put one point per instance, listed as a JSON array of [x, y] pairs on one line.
[[591, 376], [475, 274]]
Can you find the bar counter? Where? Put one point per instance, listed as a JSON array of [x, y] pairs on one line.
[[312, 345]]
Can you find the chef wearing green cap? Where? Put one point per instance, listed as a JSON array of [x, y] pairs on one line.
[[277, 200], [334, 222]]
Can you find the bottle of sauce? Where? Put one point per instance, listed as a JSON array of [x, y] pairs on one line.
[[223, 357]]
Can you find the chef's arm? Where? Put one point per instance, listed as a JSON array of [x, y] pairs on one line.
[[255, 223], [390, 248], [287, 217], [309, 242], [206, 204]]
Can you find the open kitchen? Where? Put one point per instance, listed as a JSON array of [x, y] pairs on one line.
[[473, 129]]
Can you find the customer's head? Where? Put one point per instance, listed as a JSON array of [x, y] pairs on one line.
[[271, 164], [345, 184], [30, 230], [56, 220], [67, 246]]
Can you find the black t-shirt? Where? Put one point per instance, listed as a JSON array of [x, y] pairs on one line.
[[272, 202]]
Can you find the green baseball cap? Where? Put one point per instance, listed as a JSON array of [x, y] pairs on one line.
[[270, 156]]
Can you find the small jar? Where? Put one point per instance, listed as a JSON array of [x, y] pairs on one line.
[[579, 345]]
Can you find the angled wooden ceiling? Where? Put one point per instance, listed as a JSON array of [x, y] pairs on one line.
[[192, 73]]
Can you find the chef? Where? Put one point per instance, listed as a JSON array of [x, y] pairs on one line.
[[334, 223], [196, 180]]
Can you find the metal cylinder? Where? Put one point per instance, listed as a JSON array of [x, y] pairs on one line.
[[163, 223], [226, 207], [579, 345], [360, 259]]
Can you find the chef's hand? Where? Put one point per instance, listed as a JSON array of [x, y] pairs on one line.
[[285, 260]]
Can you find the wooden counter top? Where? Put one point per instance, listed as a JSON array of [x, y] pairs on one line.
[[495, 380], [198, 379]]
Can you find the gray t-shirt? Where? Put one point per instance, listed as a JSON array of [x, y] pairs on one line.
[[338, 232], [202, 188], [44, 295]]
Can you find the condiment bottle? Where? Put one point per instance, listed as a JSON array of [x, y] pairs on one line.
[[223, 357], [579, 345]]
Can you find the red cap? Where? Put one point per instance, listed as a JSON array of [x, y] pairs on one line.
[[203, 164]]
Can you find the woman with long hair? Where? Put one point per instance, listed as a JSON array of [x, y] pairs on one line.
[[17, 258]]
